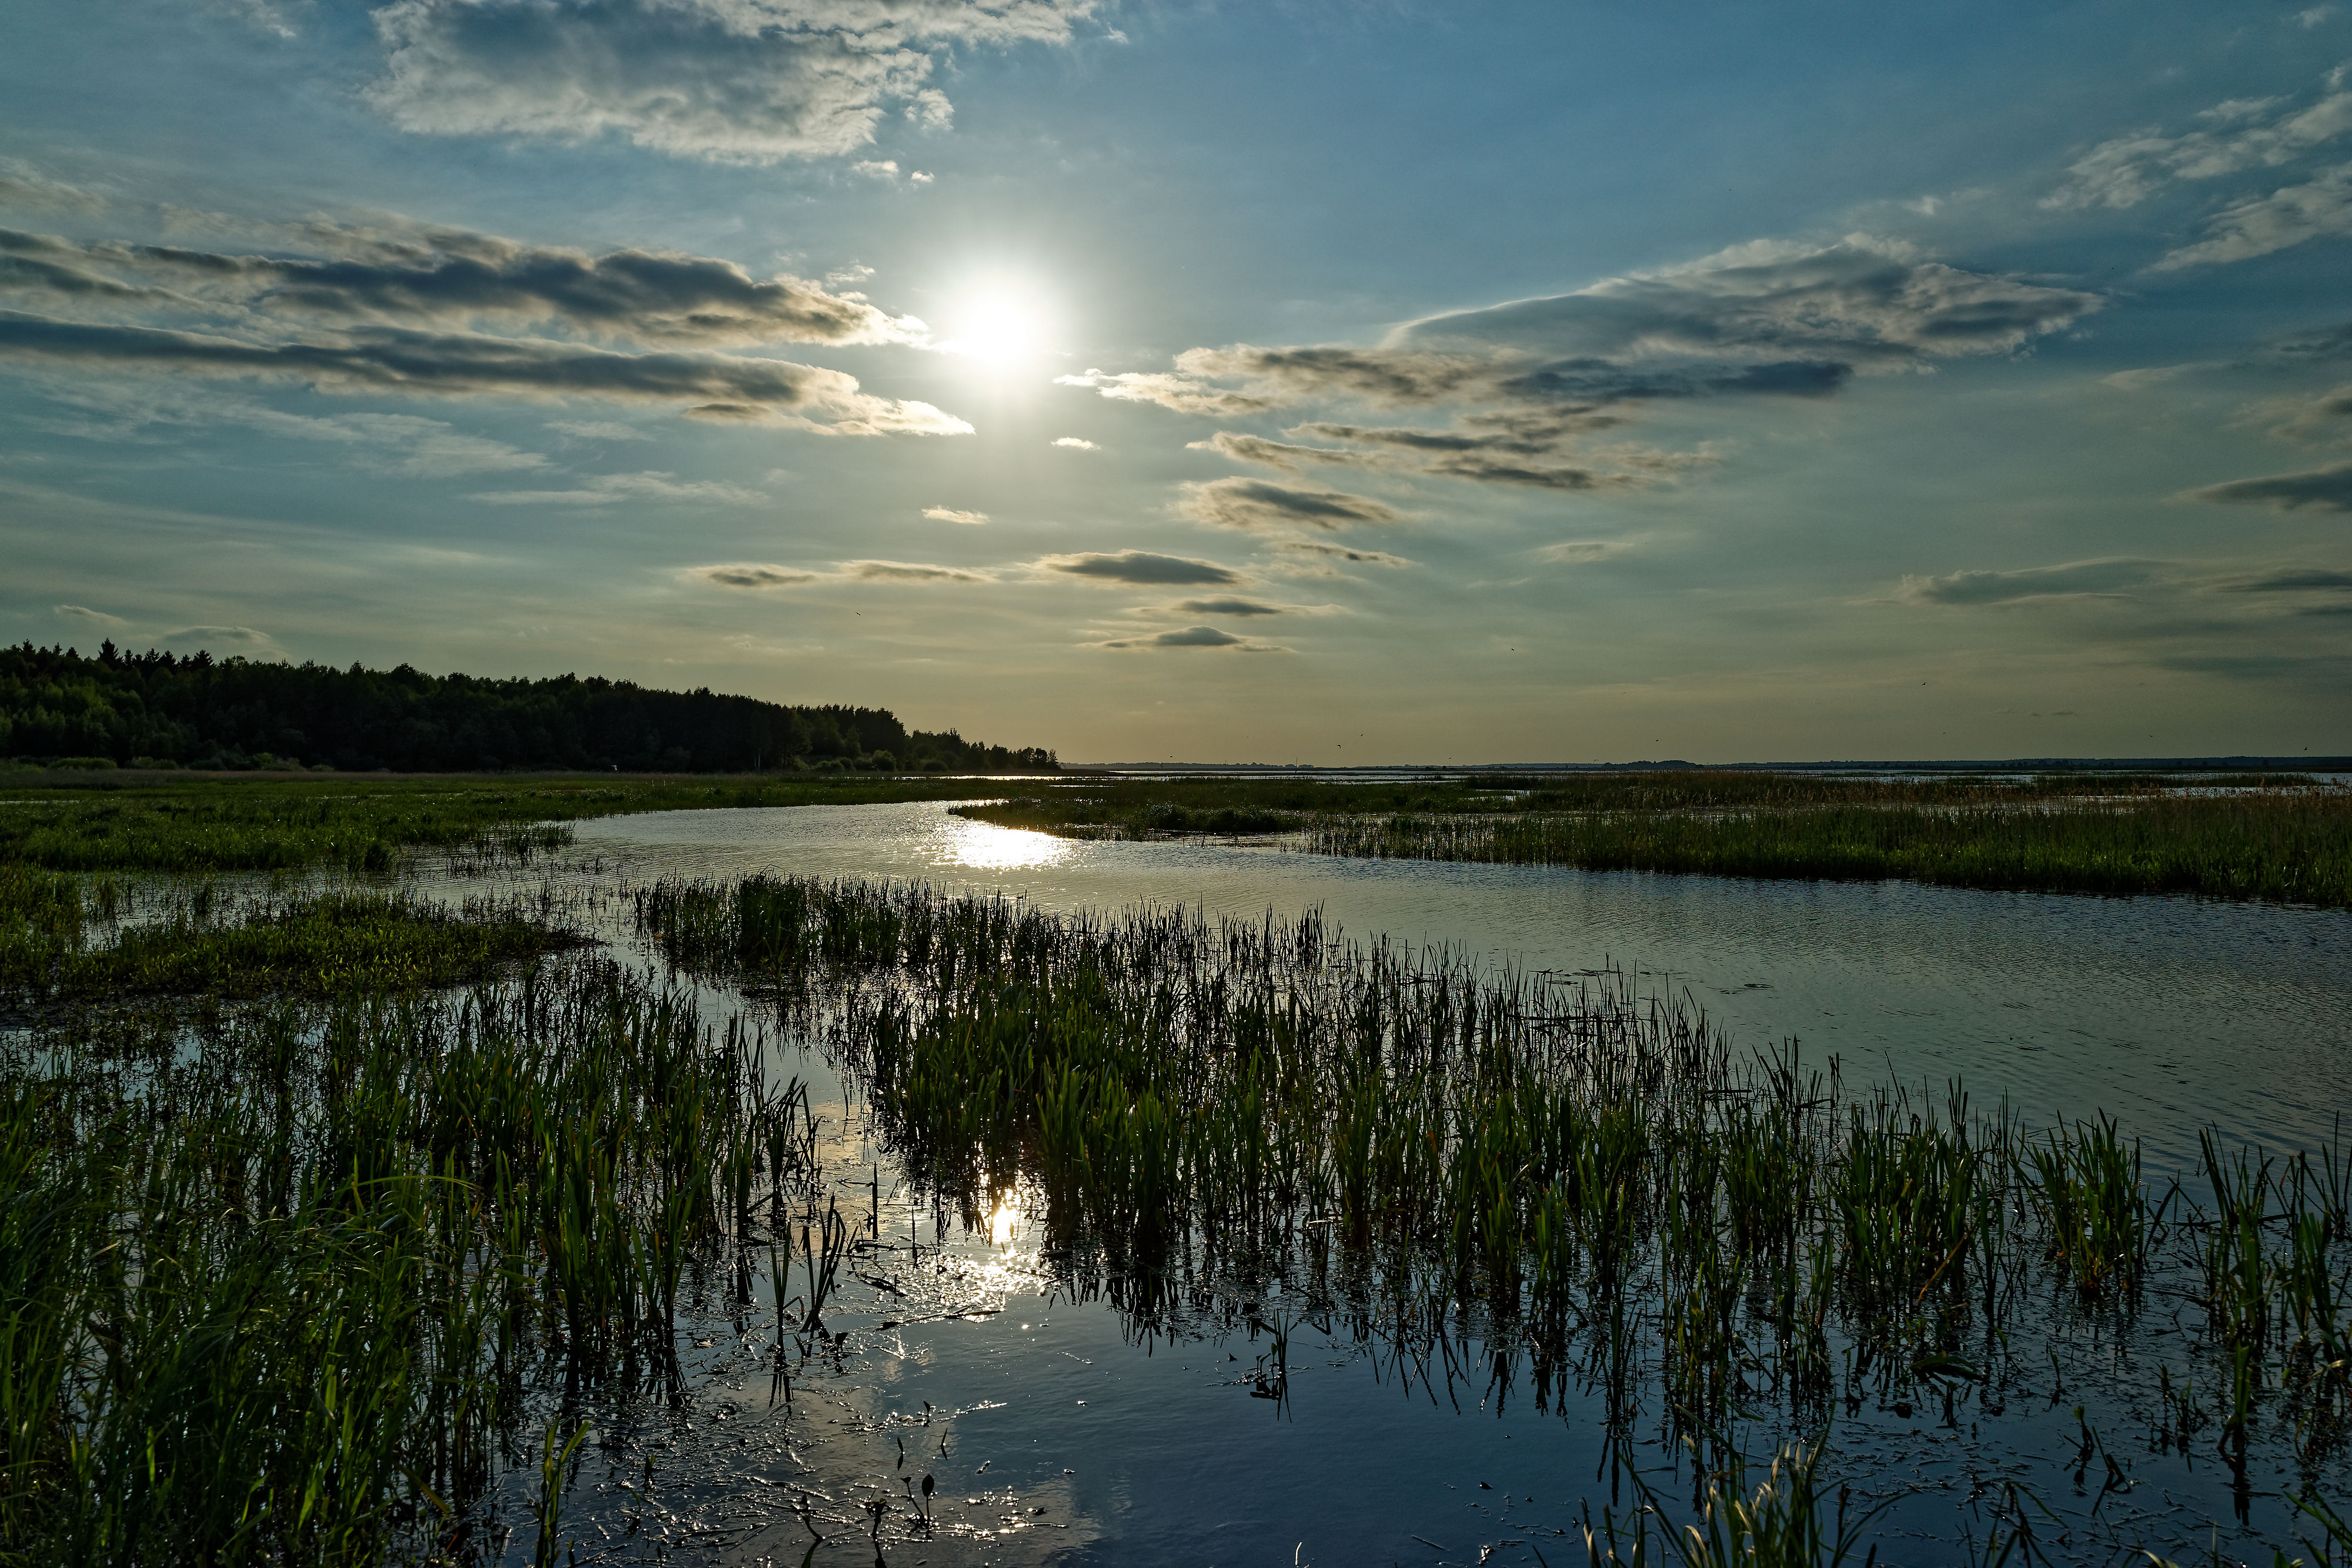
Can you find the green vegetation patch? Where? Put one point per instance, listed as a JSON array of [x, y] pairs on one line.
[[365, 823], [331, 944], [2267, 836], [1585, 1177]]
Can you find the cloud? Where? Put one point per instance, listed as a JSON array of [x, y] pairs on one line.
[[244, 640], [2240, 134], [1579, 552], [1077, 443], [2326, 417], [2289, 580], [1534, 382], [1243, 606], [735, 82], [84, 613], [597, 430], [2261, 225], [2319, 343], [910, 572], [748, 574], [757, 575], [1134, 566], [611, 489], [2075, 579], [950, 514], [450, 364], [2328, 489], [1795, 313], [1196, 637], [414, 275], [23, 185], [1237, 503], [1318, 559], [397, 443]]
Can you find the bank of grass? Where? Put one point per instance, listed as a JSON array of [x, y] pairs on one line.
[[2255, 836], [364, 823]]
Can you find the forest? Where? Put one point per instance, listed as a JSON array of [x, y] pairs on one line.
[[59, 708]]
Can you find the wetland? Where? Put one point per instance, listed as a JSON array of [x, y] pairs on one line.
[[852, 1180]]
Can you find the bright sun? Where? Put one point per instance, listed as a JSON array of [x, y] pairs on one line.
[[998, 325]]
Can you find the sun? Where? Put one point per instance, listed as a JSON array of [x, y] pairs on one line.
[[1000, 324]]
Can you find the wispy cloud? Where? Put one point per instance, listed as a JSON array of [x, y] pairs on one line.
[[1140, 567], [1582, 552], [1196, 637], [2328, 489], [951, 515], [611, 489], [1535, 381], [2074, 579], [757, 575], [2237, 135], [444, 312], [86, 616], [1237, 503], [737, 82], [597, 430], [405, 275], [2260, 225], [1075, 443]]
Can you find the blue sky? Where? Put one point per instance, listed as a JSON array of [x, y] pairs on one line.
[[1282, 382]]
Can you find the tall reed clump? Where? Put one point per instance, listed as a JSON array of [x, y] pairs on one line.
[[1583, 1176], [285, 1285]]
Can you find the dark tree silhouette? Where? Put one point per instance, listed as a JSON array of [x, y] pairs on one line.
[[57, 706]]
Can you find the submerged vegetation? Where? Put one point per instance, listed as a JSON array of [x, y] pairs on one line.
[[308, 1257], [1584, 1179], [2279, 837], [299, 1284]]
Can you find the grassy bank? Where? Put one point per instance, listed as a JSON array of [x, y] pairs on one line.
[[365, 822], [2263, 837]]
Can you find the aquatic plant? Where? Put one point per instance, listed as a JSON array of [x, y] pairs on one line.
[[1583, 1177]]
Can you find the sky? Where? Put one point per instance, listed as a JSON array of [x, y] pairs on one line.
[[1339, 383]]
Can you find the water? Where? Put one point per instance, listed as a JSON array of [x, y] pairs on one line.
[[2166, 1013], [1055, 1435]]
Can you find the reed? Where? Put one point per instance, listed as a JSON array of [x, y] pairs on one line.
[[287, 1284], [1582, 1176]]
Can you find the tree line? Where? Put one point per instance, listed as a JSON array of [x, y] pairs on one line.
[[59, 708]]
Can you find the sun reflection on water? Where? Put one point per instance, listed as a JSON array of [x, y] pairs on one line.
[[987, 847]]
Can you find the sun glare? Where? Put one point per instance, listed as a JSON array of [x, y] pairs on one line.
[[999, 325]]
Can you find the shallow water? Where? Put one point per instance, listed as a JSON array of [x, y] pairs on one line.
[[2166, 1013], [1055, 1435]]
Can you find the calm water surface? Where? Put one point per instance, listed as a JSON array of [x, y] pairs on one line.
[[1056, 1434], [2166, 1013]]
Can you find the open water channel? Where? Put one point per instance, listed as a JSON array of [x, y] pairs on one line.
[[1055, 1432]]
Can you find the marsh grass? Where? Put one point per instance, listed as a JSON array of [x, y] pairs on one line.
[[300, 1281], [2289, 845], [1412, 1152], [2270, 836], [366, 822]]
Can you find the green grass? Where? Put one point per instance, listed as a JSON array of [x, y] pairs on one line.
[[324, 945], [1585, 1177], [301, 1287], [365, 822], [2287, 839]]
